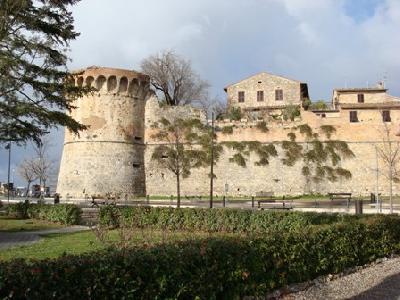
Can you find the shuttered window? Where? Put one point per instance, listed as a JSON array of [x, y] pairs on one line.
[[353, 116], [360, 98], [260, 96], [386, 116], [278, 95], [241, 96]]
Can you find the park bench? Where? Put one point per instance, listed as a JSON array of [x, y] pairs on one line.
[[340, 197], [274, 203], [102, 200]]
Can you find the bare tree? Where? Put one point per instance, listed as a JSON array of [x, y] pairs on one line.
[[173, 77], [185, 145], [389, 152], [26, 170], [42, 165]]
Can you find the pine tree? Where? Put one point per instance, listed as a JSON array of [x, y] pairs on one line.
[[35, 86]]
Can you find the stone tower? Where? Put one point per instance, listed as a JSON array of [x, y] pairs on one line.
[[109, 156]]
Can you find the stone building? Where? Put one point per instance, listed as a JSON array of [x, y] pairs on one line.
[[266, 91], [114, 155]]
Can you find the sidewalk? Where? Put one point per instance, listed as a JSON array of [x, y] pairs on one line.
[[379, 281]]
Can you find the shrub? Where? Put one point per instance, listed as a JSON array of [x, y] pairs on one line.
[[216, 220], [227, 129], [262, 126], [235, 114], [67, 214], [213, 268], [18, 210]]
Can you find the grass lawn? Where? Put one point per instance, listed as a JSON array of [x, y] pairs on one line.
[[56, 245], [13, 225]]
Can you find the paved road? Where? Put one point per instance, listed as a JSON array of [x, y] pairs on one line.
[[13, 239]]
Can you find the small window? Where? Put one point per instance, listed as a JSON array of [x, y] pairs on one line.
[[360, 98], [353, 117], [279, 95], [138, 138], [386, 116], [260, 96], [241, 96], [323, 115]]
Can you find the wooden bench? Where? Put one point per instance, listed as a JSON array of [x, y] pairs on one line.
[[103, 200], [274, 203], [340, 196]]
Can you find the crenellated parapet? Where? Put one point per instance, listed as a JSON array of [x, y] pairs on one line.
[[113, 81]]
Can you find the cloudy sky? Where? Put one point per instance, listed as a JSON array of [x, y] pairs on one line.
[[326, 43]]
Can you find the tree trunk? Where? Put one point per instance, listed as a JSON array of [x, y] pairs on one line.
[[27, 189], [391, 190], [178, 191]]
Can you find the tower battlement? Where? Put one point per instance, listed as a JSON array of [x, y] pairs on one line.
[[113, 81]]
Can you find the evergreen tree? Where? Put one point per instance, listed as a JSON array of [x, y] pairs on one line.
[[35, 86]]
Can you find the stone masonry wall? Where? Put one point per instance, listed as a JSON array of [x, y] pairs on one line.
[[267, 83], [363, 138], [108, 158]]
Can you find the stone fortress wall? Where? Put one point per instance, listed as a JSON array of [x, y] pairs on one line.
[[233, 180], [114, 155]]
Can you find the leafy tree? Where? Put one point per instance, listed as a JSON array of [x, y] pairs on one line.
[[174, 78], [186, 146], [319, 105], [35, 86], [290, 112]]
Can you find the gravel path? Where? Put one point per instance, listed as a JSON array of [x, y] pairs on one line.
[[13, 239], [379, 281]]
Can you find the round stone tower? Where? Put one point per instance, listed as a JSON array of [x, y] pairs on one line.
[[108, 157]]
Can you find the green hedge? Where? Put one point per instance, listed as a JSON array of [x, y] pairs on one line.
[[216, 220], [214, 268], [67, 214]]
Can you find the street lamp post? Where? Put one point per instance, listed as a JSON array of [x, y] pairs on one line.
[[212, 161], [8, 173]]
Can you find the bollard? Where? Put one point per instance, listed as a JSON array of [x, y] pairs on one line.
[[252, 202], [224, 201], [148, 199], [359, 207]]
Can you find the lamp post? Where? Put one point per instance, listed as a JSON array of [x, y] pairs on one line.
[[212, 161], [8, 173]]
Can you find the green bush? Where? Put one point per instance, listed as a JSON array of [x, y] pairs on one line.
[[227, 129], [67, 214], [213, 268], [216, 220], [18, 210]]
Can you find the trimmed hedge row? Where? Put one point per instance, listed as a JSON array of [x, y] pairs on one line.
[[216, 220], [67, 214], [223, 268]]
